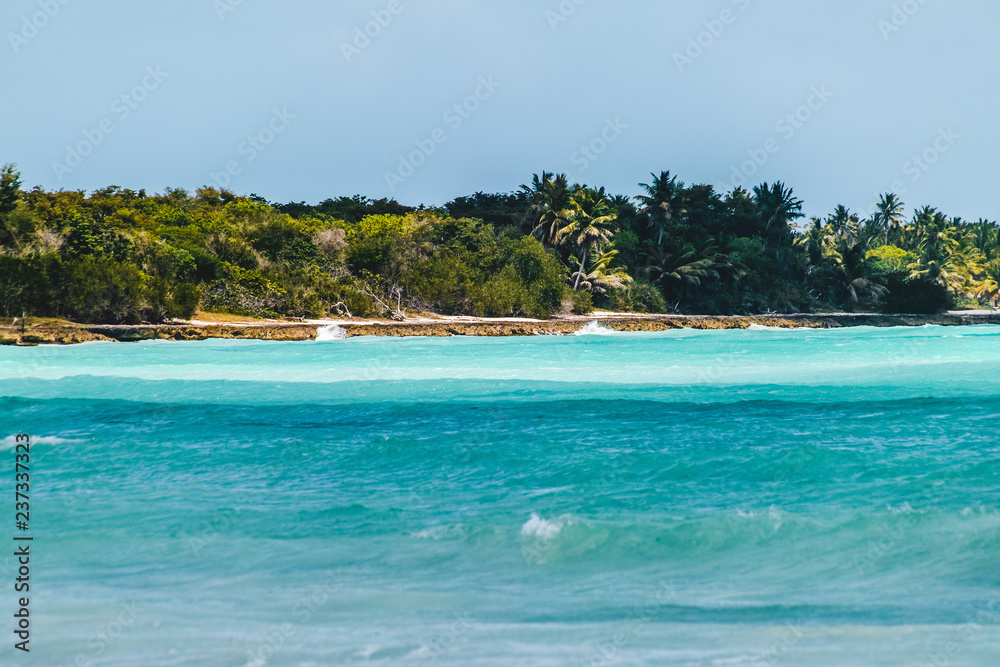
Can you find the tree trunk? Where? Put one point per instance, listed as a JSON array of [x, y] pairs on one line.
[[579, 273]]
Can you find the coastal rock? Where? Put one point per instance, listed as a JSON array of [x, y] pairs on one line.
[[281, 331]]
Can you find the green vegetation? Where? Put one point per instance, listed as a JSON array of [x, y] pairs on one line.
[[120, 256]]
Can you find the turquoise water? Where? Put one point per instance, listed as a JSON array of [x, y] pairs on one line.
[[689, 498]]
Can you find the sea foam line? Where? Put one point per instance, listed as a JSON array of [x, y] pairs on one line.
[[11, 441]]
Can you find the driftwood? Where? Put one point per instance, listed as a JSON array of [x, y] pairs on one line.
[[397, 312]]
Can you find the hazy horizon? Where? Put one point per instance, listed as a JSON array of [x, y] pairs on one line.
[[841, 102]]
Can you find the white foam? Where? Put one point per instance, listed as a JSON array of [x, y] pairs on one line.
[[329, 333], [761, 327], [536, 526], [595, 328], [775, 515], [905, 508], [443, 533], [11, 441]]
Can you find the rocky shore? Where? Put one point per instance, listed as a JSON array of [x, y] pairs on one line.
[[301, 331]]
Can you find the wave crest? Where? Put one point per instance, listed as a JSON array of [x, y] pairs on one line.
[[536, 526], [329, 333], [595, 328], [10, 442]]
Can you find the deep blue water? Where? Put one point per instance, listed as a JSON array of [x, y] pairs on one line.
[[689, 498]]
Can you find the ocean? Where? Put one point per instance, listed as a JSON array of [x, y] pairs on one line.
[[747, 497]]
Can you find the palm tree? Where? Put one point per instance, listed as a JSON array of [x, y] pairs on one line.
[[622, 203], [989, 287], [588, 225], [10, 188], [937, 238], [550, 205], [690, 266], [845, 225], [946, 255], [601, 278], [778, 208], [740, 215], [663, 201], [926, 222], [889, 214], [817, 242], [961, 266], [850, 273], [538, 184], [624, 206], [986, 237]]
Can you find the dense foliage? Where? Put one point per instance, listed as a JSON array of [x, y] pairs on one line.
[[123, 256]]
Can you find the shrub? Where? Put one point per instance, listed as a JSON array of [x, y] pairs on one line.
[[102, 290], [379, 243], [640, 296], [889, 259], [540, 273], [442, 283], [244, 292], [501, 296], [30, 284], [915, 296], [579, 301], [357, 302], [283, 240], [184, 301]]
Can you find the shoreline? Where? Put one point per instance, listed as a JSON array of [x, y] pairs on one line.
[[466, 326]]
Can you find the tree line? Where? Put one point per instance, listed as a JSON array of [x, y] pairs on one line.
[[549, 247]]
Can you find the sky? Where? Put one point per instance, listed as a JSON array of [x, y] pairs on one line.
[[422, 101]]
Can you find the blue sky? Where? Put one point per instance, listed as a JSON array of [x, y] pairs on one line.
[[840, 99]]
